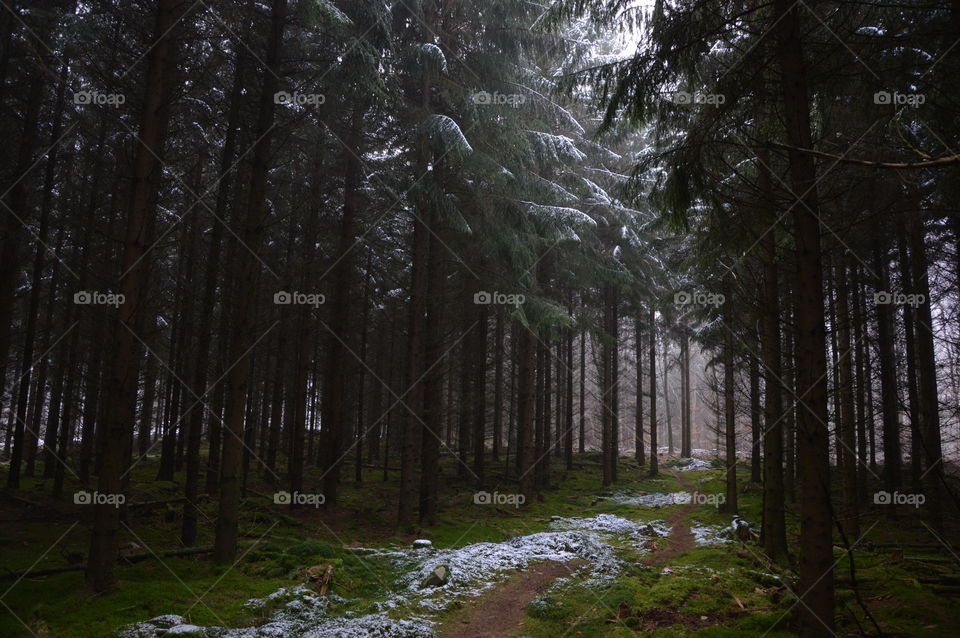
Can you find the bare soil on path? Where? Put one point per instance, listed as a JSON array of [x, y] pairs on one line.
[[681, 538], [500, 613]]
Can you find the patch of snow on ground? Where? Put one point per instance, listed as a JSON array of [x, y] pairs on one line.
[[655, 499], [705, 535], [477, 567], [692, 465]]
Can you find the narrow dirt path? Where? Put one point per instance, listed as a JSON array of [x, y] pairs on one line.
[[500, 613], [681, 538]]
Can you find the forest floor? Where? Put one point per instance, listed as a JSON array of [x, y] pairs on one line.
[[580, 560]]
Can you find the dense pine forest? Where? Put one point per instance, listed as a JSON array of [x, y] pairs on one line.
[[479, 318]]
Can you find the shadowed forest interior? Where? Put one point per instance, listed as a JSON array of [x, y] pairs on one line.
[[479, 318]]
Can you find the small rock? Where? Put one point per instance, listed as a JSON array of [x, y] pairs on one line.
[[437, 578], [422, 542]]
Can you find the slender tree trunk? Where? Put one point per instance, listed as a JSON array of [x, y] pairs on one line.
[[568, 387], [432, 422], [479, 397], [909, 332], [892, 458], [581, 445], [730, 424], [497, 388], [850, 516], [860, 334], [526, 410], [652, 327], [638, 435], [411, 431], [774, 524], [755, 427]]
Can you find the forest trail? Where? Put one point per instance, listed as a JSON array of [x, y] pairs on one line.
[[681, 538], [501, 613]]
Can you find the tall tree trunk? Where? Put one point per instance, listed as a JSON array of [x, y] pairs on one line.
[[479, 397], [816, 544], [652, 327], [581, 445], [730, 413], [934, 479], [774, 524], [755, 422], [497, 388], [122, 376], [432, 420], [15, 211], [860, 338], [411, 430], [188, 532], [242, 339], [568, 387], [526, 410], [638, 434], [848, 469], [36, 284], [892, 458], [909, 332]]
